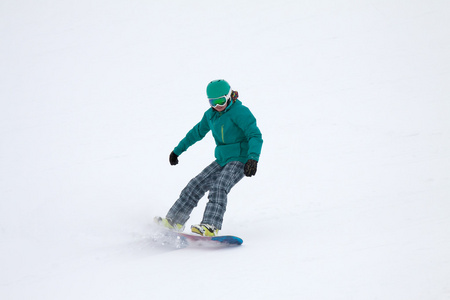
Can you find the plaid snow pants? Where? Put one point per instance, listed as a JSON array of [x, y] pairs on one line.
[[218, 181]]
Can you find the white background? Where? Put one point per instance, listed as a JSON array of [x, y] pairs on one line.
[[351, 198]]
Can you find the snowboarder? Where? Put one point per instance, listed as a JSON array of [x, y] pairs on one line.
[[238, 146]]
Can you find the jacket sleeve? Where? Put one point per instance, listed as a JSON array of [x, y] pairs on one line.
[[247, 122], [194, 135]]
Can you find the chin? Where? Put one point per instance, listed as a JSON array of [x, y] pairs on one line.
[[220, 109]]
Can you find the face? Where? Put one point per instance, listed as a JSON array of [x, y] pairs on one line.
[[220, 103], [220, 108]]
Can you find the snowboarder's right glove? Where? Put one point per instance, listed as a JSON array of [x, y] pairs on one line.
[[250, 167], [173, 158]]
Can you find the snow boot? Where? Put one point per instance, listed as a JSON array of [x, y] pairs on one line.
[[205, 230], [169, 224]]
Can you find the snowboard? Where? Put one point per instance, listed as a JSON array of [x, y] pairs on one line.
[[182, 240], [226, 240]]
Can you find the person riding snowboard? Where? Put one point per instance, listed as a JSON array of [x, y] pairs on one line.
[[238, 147]]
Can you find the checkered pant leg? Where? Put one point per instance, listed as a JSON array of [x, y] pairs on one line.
[[192, 193], [231, 174]]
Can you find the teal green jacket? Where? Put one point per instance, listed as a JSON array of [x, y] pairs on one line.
[[235, 132]]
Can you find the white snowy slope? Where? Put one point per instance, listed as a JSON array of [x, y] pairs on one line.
[[351, 198]]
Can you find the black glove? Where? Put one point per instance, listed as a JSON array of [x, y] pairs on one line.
[[250, 167], [173, 158]]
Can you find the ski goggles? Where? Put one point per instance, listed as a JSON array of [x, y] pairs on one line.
[[220, 101]]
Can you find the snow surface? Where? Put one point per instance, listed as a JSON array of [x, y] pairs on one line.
[[351, 198]]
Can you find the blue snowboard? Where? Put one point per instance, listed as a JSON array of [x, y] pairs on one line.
[[225, 240], [182, 240]]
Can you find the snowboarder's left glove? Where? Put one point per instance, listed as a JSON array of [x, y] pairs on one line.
[[250, 167]]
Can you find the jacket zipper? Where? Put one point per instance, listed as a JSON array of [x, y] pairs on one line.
[[223, 138]]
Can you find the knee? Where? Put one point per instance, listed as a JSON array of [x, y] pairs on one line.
[[220, 187]]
